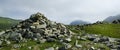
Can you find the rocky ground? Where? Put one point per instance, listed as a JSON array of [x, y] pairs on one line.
[[39, 33]]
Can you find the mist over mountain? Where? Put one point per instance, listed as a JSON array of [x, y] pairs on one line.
[[112, 18], [78, 22]]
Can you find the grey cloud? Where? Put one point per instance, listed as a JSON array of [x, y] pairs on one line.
[[64, 11]]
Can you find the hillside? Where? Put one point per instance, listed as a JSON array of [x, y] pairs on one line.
[[6, 23], [112, 18], [112, 30]]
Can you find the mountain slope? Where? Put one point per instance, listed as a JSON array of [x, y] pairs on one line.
[[6, 23], [78, 22], [112, 18]]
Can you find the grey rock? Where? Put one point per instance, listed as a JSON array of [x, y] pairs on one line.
[[67, 46], [24, 40], [92, 48], [78, 37], [113, 49], [2, 32], [118, 47], [50, 40], [8, 42], [16, 46], [74, 48], [91, 38], [77, 45], [112, 46], [68, 39], [112, 39], [42, 40], [1, 42], [29, 47], [62, 48], [96, 40], [118, 40], [41, 26], [33, 27], [35, 39], [83, 38], [56, 48], [16, 36], [103, 39], [101, 48]]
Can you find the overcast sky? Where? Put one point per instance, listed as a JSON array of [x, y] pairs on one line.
[[63, 11]]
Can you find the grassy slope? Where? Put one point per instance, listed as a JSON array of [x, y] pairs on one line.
[[6, 23], [112, 30]]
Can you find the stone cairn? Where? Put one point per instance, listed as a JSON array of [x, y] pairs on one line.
[[37, 28]]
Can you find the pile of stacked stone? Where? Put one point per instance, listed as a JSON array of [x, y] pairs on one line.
[[37, 28]]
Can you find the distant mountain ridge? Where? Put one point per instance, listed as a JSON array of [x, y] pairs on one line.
[[112, 18], [78, 22]]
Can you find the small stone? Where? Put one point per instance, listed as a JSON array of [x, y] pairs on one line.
[[30, 47], [43, 41], [118, 47], [0, 42], [103, 39], [77, 45], [62, 48], [16, 46], [114, 49], [35, 39], [92, 48], [91, 38], [78, 37], [83, 38], [67, 46], [41, 26], [51, 48], [68, 39], [8, 42], [24, 40], [118, 40], [50, 40], [56, 48], [96, 40], [112, 39], [74, 48], [32, 26], [2, 32]]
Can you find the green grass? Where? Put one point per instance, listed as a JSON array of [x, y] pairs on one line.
[[6, 23], [112, 30], [33, 44]]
